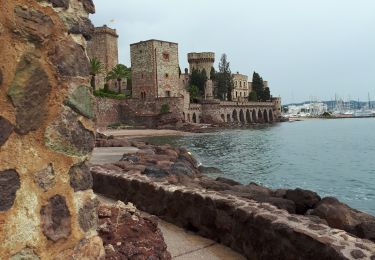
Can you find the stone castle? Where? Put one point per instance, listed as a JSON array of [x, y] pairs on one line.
[[157, 82]]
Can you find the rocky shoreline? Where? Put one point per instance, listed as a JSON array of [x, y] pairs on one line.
[[176, 167]]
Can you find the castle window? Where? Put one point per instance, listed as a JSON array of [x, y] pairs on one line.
[[167, 93], [166, 75], [140, 51], [142, 76], [166, 56]]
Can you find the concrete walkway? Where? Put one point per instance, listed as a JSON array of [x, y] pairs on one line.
[[185, 245], [103, 155]]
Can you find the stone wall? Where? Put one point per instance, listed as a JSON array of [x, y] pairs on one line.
[[149, 112], [257, 230], [108, 111], [155, 69], [47, 207]]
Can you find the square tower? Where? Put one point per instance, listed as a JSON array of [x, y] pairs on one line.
[[155, 69], [104, 47]]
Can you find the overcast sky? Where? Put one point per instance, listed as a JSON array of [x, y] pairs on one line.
[[304, 48]]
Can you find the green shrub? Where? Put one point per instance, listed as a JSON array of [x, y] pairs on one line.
[[164, 108], [108, 94]]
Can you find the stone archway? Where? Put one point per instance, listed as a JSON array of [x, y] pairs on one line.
[[235, 116], [183, 115], [242, 116], [265, 116], [222, 117], [270, 115], [254, 116], [228, 118], [260, 116], [248, 116], [194, 118]]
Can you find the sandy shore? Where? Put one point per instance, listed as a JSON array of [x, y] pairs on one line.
[[144, 132]]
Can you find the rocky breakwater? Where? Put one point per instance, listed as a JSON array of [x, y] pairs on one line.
[[47, 207], [256, 221]]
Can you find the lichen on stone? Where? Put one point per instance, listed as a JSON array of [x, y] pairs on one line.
[[81, 101], [29, 91], [67, 135]]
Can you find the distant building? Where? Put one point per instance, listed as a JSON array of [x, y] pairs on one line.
[[155, 69], [104, 46], [240, 91]]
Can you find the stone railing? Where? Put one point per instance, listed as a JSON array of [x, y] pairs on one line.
[[246, 103], [197, 107], [256, 230]]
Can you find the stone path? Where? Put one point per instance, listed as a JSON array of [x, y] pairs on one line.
[[103, 155], [185, 245]]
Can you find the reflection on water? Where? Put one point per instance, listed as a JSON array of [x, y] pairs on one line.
[[331, 157]]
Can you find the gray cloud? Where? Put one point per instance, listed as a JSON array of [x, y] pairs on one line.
[[303, 47]]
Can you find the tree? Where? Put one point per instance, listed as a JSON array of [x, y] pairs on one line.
[[198, 79], [258, 86], [224, 79], [194, 93], [212, 73], [253, 96], [96, 67], [118, 73], [266, 94]]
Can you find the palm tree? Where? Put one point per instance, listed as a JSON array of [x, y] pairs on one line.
[[96, 67], [118, 73]]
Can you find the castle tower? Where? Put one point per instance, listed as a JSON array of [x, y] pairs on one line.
[[104, 46], [200, 61], [155, 69]]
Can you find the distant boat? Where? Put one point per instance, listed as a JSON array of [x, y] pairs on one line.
[[364, 113]]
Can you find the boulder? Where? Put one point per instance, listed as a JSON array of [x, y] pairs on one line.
[[304, 199], [227, 181], [181, 167], [253, 190], [155, 172], [341, 216], [209, 170]]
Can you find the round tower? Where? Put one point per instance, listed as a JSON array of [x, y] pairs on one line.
[[202, 60]]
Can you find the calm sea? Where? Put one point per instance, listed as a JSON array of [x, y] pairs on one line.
[[331, 157]]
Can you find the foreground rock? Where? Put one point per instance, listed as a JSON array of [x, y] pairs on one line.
[[127, 235], [46, 132]]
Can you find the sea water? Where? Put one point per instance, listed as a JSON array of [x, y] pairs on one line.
[[331, 157]]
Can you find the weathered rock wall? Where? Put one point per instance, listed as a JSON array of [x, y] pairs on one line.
[[257, 230], [108, 111], [138, 112], [47, 207]]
